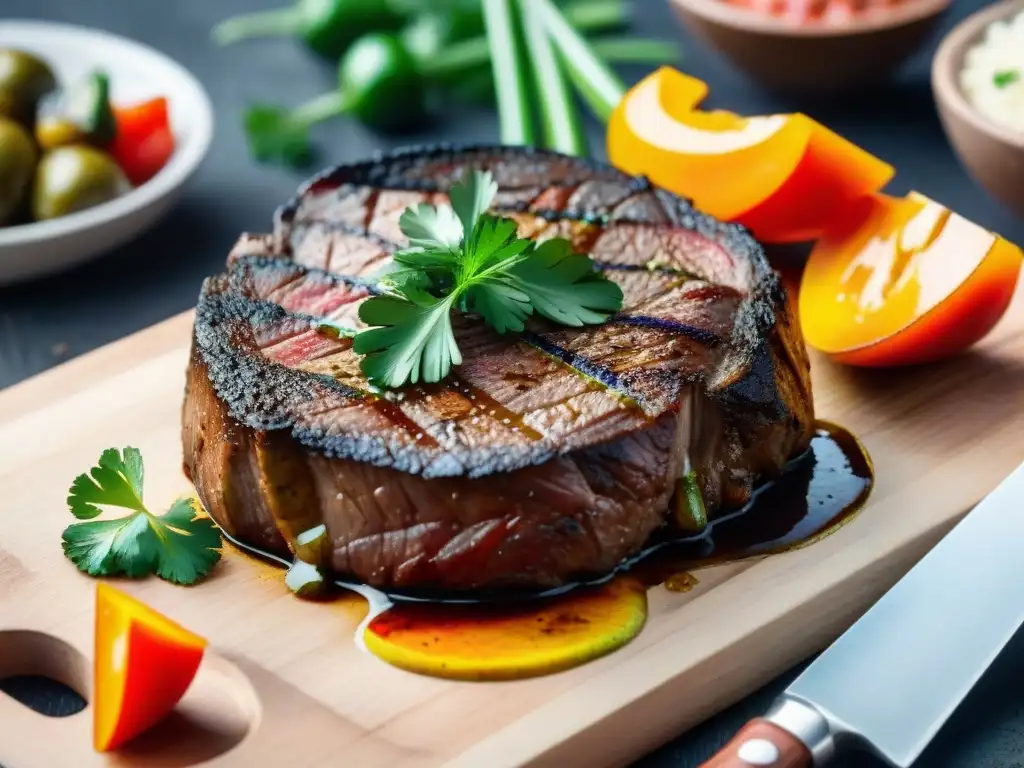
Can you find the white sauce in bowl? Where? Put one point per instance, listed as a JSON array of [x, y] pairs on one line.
[[992, 77]]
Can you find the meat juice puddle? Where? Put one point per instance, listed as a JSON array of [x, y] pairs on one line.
[[529, 635]]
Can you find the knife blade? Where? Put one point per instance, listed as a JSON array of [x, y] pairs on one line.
[[892, 679]]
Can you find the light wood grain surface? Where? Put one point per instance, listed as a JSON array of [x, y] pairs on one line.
[[286, 685]]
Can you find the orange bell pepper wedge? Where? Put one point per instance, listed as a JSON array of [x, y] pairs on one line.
[[144, 663], [902, 281], [782, 176]]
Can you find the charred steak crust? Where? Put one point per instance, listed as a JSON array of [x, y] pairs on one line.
[[547, 457]]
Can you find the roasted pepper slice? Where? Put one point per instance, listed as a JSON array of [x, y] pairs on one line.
[[144, 664], [899, 281], [782, 176]]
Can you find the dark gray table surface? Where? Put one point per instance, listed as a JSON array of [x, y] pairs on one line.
[[159, 274]]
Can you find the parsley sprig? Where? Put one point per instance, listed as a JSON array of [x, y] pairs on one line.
[[178, 546], [462, 258]]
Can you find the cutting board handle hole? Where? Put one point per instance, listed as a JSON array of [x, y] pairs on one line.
[[26, 655]]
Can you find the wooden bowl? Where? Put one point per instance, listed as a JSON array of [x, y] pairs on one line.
[[819, 58], [993, 155]]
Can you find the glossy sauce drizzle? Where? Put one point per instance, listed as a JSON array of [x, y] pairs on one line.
[[528, 635]]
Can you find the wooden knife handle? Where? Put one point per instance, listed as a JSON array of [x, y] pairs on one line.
[[762, 744]]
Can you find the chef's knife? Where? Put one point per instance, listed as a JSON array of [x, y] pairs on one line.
[[896, 675]]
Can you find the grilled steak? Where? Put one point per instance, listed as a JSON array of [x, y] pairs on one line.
[[547, 456]]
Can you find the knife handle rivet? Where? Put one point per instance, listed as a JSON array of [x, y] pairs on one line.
[[758, 752]]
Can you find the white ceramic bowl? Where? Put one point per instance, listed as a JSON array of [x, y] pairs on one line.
[[137, 73]]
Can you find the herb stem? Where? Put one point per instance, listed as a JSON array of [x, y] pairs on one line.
[[559, 119], [277, 21], [594, 15], [320, 108], [584, 15], [514, 116], [457, 58], [600, 87], [627, 50]]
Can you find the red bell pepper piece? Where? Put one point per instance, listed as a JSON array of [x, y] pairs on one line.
[[144, 665], [144, 141]]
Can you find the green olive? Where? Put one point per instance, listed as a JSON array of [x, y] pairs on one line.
[[73, 178], [17, 161], [53, 131], [24, 79]]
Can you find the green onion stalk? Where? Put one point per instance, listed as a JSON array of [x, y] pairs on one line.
[[599, 86], [510, 83], [477, 85], [388, 80], [559, 118]]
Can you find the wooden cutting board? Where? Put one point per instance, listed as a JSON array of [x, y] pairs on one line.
[[286, 685]]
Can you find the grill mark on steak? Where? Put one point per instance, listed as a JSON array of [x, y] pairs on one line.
[[586, 413], [637, 291], [588, 368], [596, 409], [643, 250], [492, 509], [646, 321], [632, 202], [253, 274], [646, 269], [645, 245], [697, 324], [651, 205]]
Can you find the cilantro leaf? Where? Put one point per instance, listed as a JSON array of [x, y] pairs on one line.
[[564, 287], [178, 546], [414, 343], [190, 544], [405, 281], [272, 136], [472, 199], [431, 228], [425, 261], [111, 547], [461, 257], [493, 245], [115, 481], [501, 304]]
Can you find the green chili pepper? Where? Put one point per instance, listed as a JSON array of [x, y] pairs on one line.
[[80, 114], [430, 33], [327, 26], [388, 81], [379, 83]]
